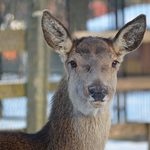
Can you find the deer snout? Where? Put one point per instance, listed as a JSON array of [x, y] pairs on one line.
[[97, 93]]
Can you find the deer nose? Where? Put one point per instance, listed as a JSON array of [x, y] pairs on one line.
[[98, 93]]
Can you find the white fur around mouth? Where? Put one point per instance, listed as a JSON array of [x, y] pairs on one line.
[[98, 103]]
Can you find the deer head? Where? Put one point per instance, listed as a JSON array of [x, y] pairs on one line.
[[91, 63]]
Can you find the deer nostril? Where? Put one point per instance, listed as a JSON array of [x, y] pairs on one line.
[[104, 91], [92, 90]]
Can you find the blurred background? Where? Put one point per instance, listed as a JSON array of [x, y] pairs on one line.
[[30, 71]]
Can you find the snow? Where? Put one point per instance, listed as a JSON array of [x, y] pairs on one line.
[[126, 145], [11, 124]]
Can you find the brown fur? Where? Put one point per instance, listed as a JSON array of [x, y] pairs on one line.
[[79, 121]]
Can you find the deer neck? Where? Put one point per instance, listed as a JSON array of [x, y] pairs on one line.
[[76, 131]]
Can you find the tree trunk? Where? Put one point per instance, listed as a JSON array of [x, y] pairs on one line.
[[37, 69], [77, 14]]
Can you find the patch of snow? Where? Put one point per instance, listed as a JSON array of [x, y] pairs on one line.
[[54, 78], [126, 145], [10, 124], [14, 107]]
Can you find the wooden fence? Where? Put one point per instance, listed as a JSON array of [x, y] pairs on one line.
[[36, 87]]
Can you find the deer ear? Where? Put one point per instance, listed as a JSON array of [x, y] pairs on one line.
[[55, 34], [130, 36]]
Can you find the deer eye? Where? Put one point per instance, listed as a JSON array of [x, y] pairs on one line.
[[115, 63], [73, 64]]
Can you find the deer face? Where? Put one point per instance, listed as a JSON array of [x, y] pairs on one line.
[[92, 70], [92, 63]]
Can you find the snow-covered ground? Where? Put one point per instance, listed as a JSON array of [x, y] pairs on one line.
[[126, 145]]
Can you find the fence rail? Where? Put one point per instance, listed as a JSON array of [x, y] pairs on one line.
[[18, 89]]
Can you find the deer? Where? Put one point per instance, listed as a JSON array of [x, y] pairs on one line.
[[80, 117]]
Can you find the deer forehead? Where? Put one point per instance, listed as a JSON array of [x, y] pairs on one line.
[[90, 48]]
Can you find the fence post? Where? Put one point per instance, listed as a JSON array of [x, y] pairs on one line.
[[1, 72], [148, 136], [1, 109], [37, 76]]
